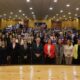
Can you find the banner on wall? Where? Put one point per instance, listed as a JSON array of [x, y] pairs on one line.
[[41, 24]]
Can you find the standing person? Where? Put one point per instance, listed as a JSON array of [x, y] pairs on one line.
[[8, 39], [25, 58], [49, 52], [45, 37], [68, 52], [3, 52], [53, 39], [13, 52], [37, 54], [76, 52], [59, 51], [0, 51], [75, 39]]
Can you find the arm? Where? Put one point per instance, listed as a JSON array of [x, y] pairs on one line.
[[45, 51], [52, 51]]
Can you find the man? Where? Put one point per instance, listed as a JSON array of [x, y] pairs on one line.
[[13, 52], [37, 54], [76, 51]]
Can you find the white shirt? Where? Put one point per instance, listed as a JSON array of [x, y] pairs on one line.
[[49, 46], [13, 45], [68, 50]]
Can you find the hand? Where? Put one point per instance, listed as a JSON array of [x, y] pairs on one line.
[[37, 55], [25, 57], [49, 54], [8, 58]]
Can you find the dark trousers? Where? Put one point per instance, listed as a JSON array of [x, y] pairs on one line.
[[37, 60], [76, 61], [49, 60], [26, 60], [14, 60]]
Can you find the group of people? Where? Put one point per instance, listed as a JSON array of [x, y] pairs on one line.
[[37, 46]]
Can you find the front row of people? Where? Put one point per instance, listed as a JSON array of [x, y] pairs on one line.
[[36, 53]]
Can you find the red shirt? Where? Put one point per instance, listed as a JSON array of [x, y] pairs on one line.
[[52, 50]]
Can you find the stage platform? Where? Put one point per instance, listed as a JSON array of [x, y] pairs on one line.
[[40, 72]]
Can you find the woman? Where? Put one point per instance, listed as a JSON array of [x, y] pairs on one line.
[[25, 58], [68, 52], [0, 51], [76, 53], [37, 54], [59, 51], [49, 52], [4, 52], [53, 39]]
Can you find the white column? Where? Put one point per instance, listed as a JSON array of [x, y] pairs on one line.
[[74, 73], [31, 72], [21, 72], [49, 74], [65, 75]]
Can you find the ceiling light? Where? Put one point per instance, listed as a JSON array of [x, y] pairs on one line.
[[16, 15], [70, 17], [11, 13], [32, 12], [55, 1], [51, 8], [30, 8], [4, 14], [23, 14], [76, 14], [27, 0], [26, 17], [68, 5], [57, 19], [61, 11], [77, 9], [64, 16], [69, 13], [20, 11], [54, 17], [57, 14]]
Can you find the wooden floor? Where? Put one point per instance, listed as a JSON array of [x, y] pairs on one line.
[[40, 72]]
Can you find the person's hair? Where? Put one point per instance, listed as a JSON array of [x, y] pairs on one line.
[[69, 40], [37, 38], [48, 40], [13, 36], [58, 40]]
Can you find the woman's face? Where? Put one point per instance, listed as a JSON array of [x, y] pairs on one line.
[[14, 40], [3, 44], [10, 36], [49, 41], [78, 41], [59, 41], [3, 36], [38, 40], [69, 42]]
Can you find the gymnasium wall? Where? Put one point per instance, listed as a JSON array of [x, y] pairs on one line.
[[69, 23]]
